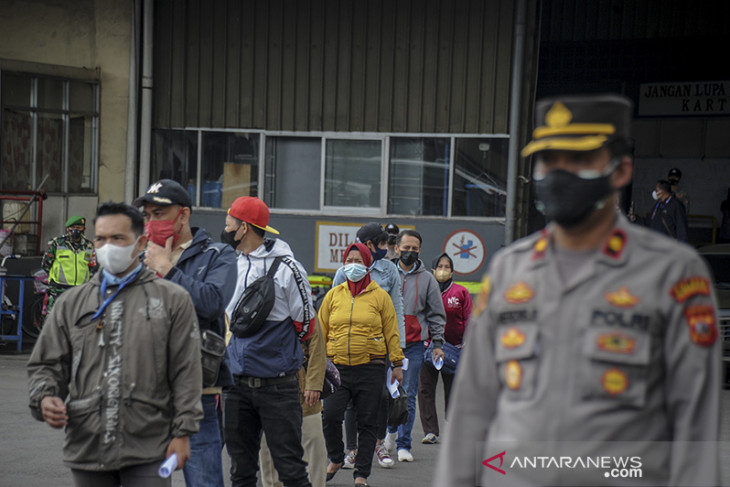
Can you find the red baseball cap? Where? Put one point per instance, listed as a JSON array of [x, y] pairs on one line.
[[252, 210]]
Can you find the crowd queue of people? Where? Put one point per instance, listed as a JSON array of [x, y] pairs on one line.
[[148, 358], [595, 337]]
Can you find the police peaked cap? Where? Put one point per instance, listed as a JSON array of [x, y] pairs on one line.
[[580, 122]]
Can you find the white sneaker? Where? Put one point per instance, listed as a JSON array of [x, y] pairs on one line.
[[384, 458], [350, 459], [404, 455], [430, 439], [389, 441]]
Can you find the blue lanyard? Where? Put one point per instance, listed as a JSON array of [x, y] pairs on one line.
[[111, 298]]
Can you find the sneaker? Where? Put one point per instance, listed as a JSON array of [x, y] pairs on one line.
[[430, 439], [390, 441], [404, 455], [349, 459], [384, 458]]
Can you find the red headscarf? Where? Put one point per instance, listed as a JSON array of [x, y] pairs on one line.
[[359, 286]]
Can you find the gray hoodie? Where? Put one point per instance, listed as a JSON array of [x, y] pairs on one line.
[[423, 308]]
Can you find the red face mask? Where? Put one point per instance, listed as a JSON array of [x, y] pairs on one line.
[[158, 231]]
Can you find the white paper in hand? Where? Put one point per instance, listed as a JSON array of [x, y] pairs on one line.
[[405, 364], [168, 466], [392, 388], [438, 363]]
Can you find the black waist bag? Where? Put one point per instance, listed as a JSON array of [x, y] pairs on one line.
[[212, 350], [255, 304]]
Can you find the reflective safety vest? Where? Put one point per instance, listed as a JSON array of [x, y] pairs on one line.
[[70, 268]]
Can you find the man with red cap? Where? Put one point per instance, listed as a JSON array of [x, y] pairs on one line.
[[265, 396]]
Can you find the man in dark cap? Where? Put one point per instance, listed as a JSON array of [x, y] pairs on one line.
[[392, 230], [188, 257], [597, 339], [674, 176], [69, 260], [668, 215]]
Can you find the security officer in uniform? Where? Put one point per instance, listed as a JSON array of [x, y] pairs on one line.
[[596, 359], [70, 260]]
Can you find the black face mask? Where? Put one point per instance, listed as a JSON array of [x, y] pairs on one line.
[[230, 238], [409, 258], [75, 234], [568, 199]]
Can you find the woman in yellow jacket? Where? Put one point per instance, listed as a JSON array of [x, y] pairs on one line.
[[361, 331]]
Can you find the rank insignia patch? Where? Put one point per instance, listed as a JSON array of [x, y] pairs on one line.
[[512, 338], [513, 374], [701, 321], [615, 244], [538, 252], [481, 303], [614, 381], [616, 343], [689, 287], [622, 298], [519, 293]]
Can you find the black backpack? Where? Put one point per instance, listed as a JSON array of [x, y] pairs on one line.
[[255, 304]]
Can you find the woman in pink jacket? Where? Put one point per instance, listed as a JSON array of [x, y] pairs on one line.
[[457, 303]]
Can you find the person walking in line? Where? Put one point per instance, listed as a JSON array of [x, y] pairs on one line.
[[424, 317], [457, 303], [117, 364], [360, 328], [187, 256], [598, 339], [386, 274], [69, 260], [265, 394]]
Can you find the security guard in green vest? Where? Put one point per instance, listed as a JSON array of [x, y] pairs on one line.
[[70, 260]]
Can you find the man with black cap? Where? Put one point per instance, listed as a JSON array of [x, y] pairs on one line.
[[187, 256], [392, 230], [596, 356], [265, 396], [69, 260], [668, 215], [674, 176]]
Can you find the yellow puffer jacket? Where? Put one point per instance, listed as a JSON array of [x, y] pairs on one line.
[[357, 329]]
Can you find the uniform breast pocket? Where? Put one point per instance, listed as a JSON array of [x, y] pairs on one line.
[[517, 357], [617, 366]]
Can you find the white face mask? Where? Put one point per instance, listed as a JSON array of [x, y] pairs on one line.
[[117, 259], [654, 195]]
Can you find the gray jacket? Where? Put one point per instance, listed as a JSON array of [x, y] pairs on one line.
[[131, 379], [423, 308], [622, 361]]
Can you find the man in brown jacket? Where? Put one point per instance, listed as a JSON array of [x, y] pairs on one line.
[[311, 379]]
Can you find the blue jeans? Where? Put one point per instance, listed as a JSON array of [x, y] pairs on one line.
[[414, 354], [205, 468]]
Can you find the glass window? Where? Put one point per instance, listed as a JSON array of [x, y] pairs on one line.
[[480, 177], [419, 176], [229, 167], [49, 151], [55, 137], [17, 151], [352, 173], [293, 168], [175, 156]]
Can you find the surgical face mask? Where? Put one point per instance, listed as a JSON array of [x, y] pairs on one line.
[[655, 195], [354, 271], [117, 259], [569, 198], [409, 257], [230, 238], [75, 234], [442, 275], [379, 254]]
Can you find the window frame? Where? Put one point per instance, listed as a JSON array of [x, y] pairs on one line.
[[384, 138]]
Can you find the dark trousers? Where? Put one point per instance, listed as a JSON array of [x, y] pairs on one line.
[[137, 475], [351, 421], [363, 384], [276, 410], [427, 381]]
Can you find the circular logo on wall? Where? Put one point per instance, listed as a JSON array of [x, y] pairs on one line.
[[466, 249]]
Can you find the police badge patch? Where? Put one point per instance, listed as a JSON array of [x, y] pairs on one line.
[[701, 321]]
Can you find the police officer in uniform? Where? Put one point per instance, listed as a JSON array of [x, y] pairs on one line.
[[70, 260], [595, 359]]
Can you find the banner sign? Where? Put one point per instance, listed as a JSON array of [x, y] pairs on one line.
[[695, 98]]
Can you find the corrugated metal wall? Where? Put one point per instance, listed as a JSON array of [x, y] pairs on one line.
[[329, 65]]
